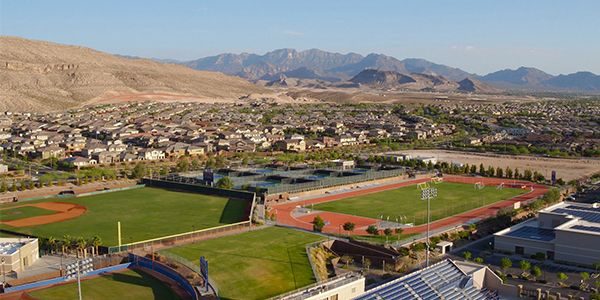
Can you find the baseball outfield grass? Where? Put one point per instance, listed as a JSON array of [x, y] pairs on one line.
[[452, 199], [23, 212], [144, 213], [131, 284], [257, 264]]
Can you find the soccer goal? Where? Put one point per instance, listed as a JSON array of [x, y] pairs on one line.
[[437, 180], [500, 186], [479, 185], [423, 185]]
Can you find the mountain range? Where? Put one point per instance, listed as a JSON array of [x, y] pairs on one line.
[[335, 67]]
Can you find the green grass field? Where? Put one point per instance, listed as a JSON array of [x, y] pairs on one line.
[[255, 265], [453, 198], [131, 284], [144, 213], [23, 212]]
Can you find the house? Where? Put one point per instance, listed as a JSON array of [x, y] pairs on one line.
[[107, 157], [417, 134], [194, 150], [80, 162], [292, 145], [151, 154], [50, 152], [3, 169]]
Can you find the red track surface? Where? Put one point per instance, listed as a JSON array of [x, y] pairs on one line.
[[334, 220]]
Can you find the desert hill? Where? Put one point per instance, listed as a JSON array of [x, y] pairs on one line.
[[42, 76]]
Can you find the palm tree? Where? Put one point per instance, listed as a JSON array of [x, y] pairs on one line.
[[347, 259], [52, 244], [367, 264], [67, 243], [96, 242], [80, 243]]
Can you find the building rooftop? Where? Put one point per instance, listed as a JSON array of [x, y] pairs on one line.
[[534, 233], [586, 217], [443, 280], [9, 246]]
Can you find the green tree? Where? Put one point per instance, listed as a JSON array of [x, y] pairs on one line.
[[467, 255], [528, 175], [499, 172], [318, 223], [388, 232], [347, 260], [195, 164], [225, 183], [348, 226], [3, 186], [525, 266], [183, 165], [372, 229], [491, 171], [366, 264], [398, 231], [52, 244], [585, 276], [473, 169], [562, 277], [536, 272], [505, 263], [139, 171], [96, 241], [509, 172], [210, 162], [481, 169], [80, 243], [478, 260], [517, 175]]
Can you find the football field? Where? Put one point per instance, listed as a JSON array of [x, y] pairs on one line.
[[144, 213], [405, 205]]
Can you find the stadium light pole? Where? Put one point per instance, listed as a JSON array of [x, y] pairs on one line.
[[428, 194]]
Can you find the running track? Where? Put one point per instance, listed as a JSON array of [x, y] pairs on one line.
[[334, 220]]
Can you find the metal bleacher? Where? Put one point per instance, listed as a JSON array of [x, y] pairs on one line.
[[443, 280]]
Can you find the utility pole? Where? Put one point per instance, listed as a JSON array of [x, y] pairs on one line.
[[428, 194]]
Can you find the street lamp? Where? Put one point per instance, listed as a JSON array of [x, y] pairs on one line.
[[428, 194], [78, 268], [3, 272]]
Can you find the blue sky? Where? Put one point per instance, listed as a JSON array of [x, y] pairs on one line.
[[475, 35]]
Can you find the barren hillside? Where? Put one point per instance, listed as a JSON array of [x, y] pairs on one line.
[[41, 76]]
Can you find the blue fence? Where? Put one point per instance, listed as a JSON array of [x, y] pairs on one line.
[[143, 262]]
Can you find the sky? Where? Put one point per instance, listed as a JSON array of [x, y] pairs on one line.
[[479, 36]]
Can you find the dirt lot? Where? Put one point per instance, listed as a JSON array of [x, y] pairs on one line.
[[566, 169]]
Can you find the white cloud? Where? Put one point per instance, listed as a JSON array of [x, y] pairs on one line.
[[293, 33]]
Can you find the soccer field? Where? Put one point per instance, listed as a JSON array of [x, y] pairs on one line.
[[131, 284], [453, 198], [257, 264], [144, 213]]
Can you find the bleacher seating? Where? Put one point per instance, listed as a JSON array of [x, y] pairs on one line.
[[443, 280]]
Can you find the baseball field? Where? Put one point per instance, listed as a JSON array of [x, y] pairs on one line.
[[405, 205], [257, 264], [131, 284], [144, 213]]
